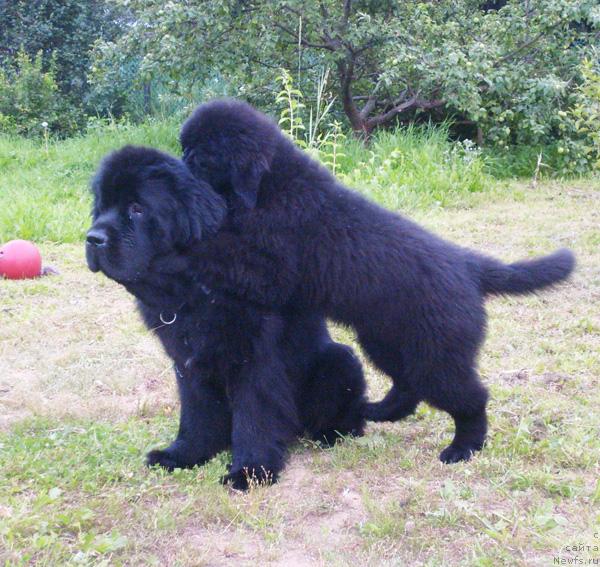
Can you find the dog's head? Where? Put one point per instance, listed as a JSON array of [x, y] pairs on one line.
[[231, 145], [147, 204]]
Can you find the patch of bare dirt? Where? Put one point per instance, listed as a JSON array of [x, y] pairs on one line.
[[554, 381]]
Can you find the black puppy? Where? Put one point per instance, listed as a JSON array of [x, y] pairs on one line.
[[248, 378], [415, 300]]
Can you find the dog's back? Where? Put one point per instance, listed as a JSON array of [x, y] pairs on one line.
[[415, 299]]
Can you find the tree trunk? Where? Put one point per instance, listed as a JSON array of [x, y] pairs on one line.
[[147, 97], [479, 136]]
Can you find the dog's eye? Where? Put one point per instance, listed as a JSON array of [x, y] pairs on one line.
[[135, 210]]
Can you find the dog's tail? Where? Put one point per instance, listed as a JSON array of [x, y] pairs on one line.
[[525, 276]]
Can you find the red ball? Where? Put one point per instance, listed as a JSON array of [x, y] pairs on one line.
[[20, 259]]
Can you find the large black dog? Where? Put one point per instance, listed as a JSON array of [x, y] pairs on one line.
[[415, 300], [248, 378]]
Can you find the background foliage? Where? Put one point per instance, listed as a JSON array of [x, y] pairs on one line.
[[43, 195], [58, 35], [30, 101], [503, 73]]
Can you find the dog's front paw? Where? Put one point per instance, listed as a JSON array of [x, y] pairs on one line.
[[452, 454], [165, 459], [179, 455], [375, 411], [249, 476]]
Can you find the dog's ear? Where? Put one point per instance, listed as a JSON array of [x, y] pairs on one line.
[[204, 211], [187, 227], [246, 178]]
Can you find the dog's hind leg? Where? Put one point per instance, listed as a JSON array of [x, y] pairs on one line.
[[332, 403], [397, 404], [402, 399], [465, 401]]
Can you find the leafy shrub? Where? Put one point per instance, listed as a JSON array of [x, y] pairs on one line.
[[112, 83], [502, 67], [405, 167], [579, 149], [30, 103], [64, 32]]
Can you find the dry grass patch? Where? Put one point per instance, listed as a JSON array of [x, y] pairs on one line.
[[85, 391]]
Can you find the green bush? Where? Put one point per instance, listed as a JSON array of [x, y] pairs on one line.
[[401, 168], [579, 149], [503, 69], [30, 102], [64, 31]]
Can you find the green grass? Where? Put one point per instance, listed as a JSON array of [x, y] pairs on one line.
[[44, 189], [414, 168], [85, 391], [44, 193], [64, 481]]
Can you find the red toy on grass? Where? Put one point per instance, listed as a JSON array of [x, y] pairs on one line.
[[20, 259]]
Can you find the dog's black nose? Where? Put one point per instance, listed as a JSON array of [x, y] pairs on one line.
[[96, 237]]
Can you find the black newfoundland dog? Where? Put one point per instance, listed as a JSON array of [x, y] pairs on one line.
[[304, 241], [249, 378]]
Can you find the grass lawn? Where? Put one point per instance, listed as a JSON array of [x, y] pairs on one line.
[[85, 391]]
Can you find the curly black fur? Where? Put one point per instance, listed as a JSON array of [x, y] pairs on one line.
[[303, 240], [249, 378]]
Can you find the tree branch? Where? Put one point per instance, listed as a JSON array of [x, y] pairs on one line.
[[413, 102], [368, 107], [527, 44], [371, 103], [347, 11], [387, 116], [371, 43], [346, 72], [325, 19], [303, 41]]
